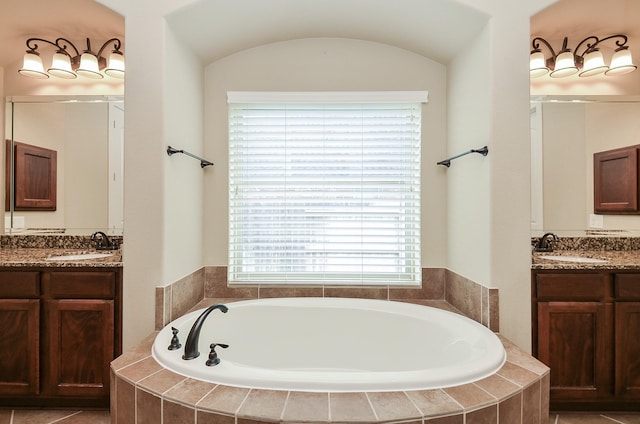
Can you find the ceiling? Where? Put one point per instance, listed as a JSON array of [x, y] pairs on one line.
[[50, 19], [217, 28]]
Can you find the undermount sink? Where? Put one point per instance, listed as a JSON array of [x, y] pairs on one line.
[[573, 259], [79, 256]]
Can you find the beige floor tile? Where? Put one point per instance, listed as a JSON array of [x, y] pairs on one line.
[[624, 418], [583, 419], [44, 416], [87, 417]]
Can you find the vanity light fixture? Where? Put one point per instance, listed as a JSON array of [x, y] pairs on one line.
[[586, 63], [69, 65]]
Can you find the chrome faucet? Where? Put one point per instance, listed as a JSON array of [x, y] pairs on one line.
[[103, 242], [544, 243], [191, 345]]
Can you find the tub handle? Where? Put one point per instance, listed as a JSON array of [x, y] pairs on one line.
[[213, 356], [175, 343]]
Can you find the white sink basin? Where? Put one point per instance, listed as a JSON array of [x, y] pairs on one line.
[[79, 256], [573, 259]]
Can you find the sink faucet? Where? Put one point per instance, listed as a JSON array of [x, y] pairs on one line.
[[191, 345], [103, 242], [544, 244]]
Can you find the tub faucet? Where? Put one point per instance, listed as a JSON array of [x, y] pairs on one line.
[[103, 242], [191, 345], [544, 244]]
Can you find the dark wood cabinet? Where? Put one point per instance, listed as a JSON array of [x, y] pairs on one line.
[[61, 341], [585, 328], [33, 172], [615, 181]]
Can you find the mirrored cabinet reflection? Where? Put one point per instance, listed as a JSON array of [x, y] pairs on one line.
[[64, 164]]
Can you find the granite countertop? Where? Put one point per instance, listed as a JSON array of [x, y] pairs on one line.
[[614, 259], [37, 257]]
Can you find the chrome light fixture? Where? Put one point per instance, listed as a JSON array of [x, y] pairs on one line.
[[586, 63], [69, 65]]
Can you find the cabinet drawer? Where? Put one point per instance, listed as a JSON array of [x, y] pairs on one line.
[[79, 284], [585, 287], [627, 286], [19, 285]]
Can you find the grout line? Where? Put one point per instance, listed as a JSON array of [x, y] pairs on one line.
[[612, 419], [64, 418]]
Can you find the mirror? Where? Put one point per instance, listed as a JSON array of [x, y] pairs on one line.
[[565, 133], [87, 134]]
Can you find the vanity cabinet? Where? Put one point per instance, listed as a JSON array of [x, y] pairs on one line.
[[74, 332], [585, 328], [19, 337]]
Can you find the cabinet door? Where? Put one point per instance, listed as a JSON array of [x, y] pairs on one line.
[[628, 350], [575, 341], [19, 346], [615, 181], [80, 346]]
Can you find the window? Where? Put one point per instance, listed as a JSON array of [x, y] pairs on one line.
[[324, 188]]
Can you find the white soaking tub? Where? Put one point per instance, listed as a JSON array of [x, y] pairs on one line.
[[335, 345]]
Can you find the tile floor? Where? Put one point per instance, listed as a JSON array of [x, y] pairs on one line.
[[45, 416], [50, 416], [605, 418]]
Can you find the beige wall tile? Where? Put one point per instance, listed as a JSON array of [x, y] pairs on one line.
[[488, 415], [266, 404], [161, 381], [497, 386], [306, 407], [381, 293], [353, 407], [135, 354], [211, 418], [186, 293], [283, 291], [510, 410], [434, 402], [453, 419], [189, 391], [517, 374], [531, 403], [390, 406], [469, 395], [148, 408], [224, 399], [125, 411], [141, 369], [176, 413], [464, 294]]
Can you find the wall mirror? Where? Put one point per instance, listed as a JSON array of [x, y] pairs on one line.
[[87, 134], [565, 133]]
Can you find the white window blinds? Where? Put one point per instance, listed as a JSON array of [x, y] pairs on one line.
[[324, 193]]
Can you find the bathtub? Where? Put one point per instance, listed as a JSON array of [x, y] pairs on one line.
[[335, 345]]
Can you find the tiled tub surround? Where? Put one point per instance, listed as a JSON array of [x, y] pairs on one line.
[[472, 299], [144, 392]]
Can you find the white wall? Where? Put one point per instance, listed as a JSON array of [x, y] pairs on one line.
[[183, 178], [325, 64], [564, 167]]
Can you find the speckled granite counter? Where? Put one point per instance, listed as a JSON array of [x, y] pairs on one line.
[[27, 257], [36, 251], [614, 259]]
